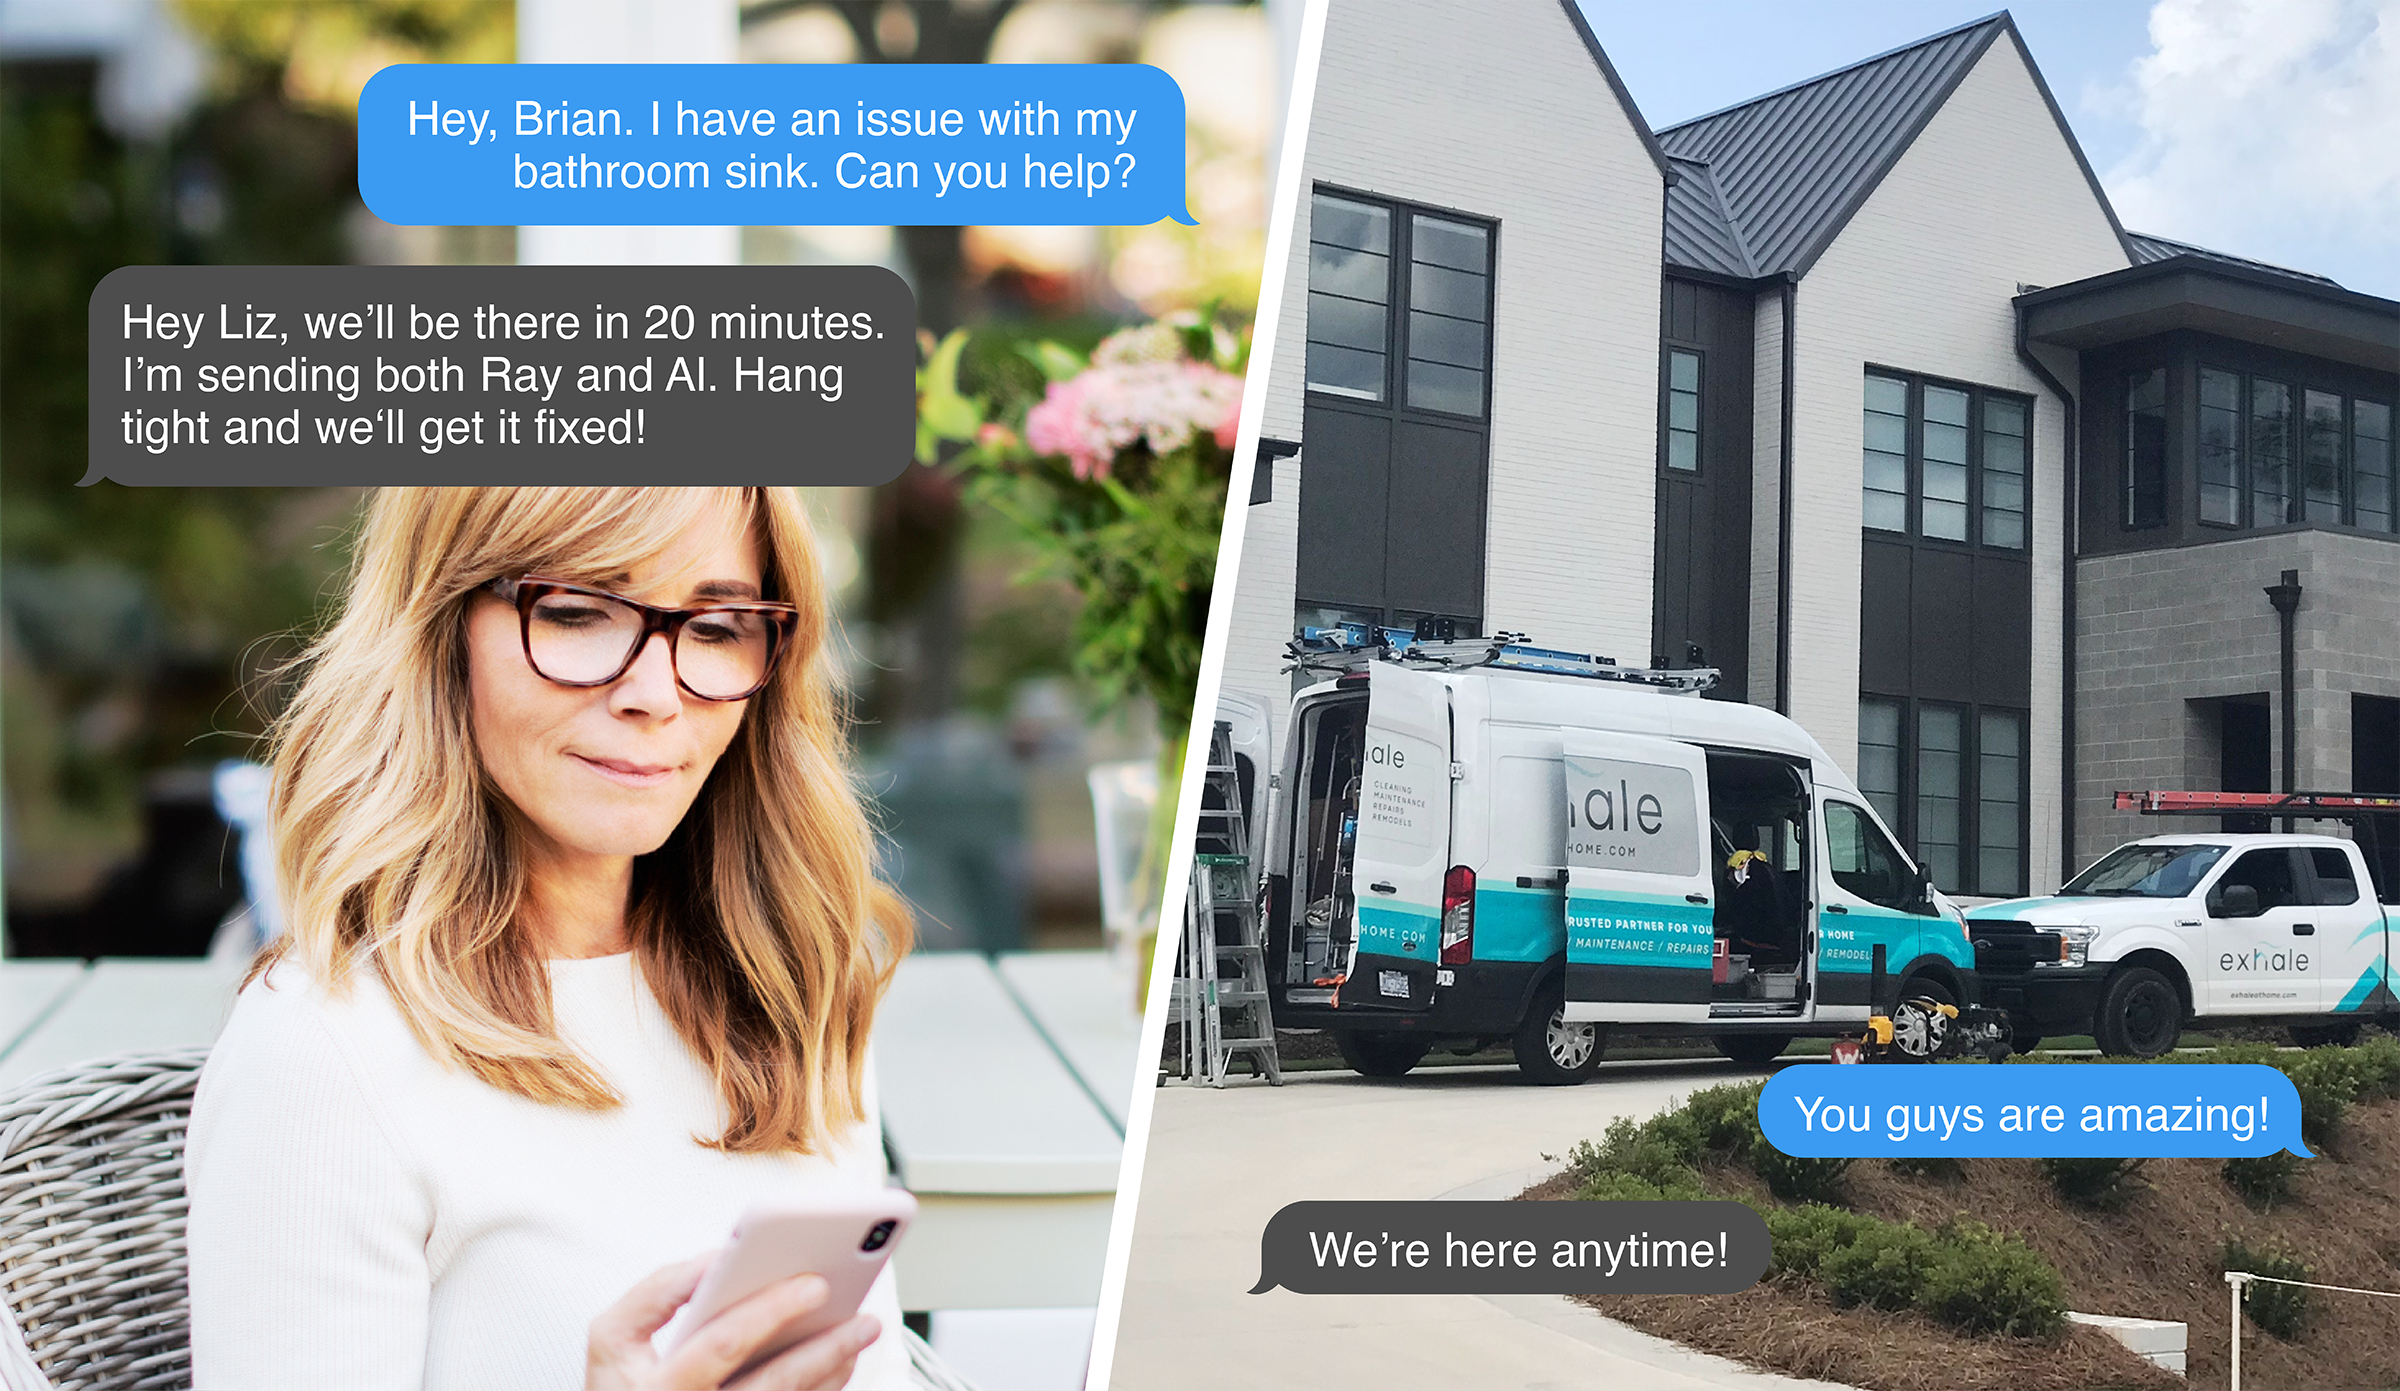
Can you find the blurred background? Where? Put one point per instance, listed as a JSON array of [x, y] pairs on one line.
[[139, 628]]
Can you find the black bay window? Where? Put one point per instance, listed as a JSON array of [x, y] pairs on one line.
[[1395, 432], [2278, 453]]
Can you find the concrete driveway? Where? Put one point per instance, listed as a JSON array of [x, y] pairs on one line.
[[1222, 1162]]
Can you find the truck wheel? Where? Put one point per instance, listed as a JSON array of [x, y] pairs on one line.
[[1752, 1050], [1551, 1051], [2318, 1035], [1381, 1055], [2140, 1014]]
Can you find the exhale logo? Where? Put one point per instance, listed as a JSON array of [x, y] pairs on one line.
[[2263, 959], [1620, 810]]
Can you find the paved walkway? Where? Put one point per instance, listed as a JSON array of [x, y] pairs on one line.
[[1222, 1162]]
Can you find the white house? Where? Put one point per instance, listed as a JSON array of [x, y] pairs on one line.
[[1857, 391]]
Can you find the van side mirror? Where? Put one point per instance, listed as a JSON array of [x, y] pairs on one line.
[[1920, 891], [2234, 901]]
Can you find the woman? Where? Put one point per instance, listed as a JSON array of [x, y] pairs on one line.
[[584, 943]]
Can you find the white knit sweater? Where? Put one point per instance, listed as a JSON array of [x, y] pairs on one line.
[[363, 1218]]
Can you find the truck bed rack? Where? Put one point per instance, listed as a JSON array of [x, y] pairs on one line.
[[1347, 649]]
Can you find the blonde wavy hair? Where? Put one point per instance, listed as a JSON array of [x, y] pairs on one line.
[[759, 925]]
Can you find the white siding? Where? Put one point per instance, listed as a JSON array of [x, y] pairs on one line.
[[1988, 197], [1405, 108]]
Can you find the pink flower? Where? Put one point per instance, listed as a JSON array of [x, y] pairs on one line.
[[1104, 410], [995, 435]]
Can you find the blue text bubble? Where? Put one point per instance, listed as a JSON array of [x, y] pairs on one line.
[[2126, 1112], [1033, 144]]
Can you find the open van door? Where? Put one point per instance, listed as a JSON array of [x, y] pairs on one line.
[[1403, 847], [1641, 928]]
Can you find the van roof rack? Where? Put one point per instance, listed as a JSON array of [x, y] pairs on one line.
[[1346, 648]]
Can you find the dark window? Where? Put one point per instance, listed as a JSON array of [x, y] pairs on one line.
[[1951, 779], [2371, 463], [1683, 410], [1945, 462], [2337, 883], [2146, 449], [1395, 479], [2269, 872], [1861, 861], [2273, 453]]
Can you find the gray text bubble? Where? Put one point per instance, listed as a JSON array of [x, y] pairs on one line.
[[291, 375], [1512, 1248]]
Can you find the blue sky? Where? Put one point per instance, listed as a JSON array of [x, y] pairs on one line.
[[2266, 130]]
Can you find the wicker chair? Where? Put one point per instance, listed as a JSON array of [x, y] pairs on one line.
[[91, 1230]]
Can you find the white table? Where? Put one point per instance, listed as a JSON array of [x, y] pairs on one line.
[[1012, 1153]]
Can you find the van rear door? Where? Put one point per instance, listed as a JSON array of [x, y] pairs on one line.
[[1403, 847], [1640, 922]]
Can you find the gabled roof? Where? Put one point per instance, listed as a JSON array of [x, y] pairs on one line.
[[2147, 249], [1789, 169], [1700, 233], [1616, 84]]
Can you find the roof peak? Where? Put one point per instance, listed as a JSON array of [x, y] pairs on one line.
[[1997, 17]]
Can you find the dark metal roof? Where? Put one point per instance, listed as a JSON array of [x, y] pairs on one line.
[[1792, 166], [2147, 249], [1700, 233]]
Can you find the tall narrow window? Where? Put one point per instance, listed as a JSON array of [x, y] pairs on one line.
[[2321, 456], [1349, 297], [1941, 781], [1449, 304], [2004, 431], [2270, 453], [2371, 463], [2146, 448], [1879, 756], [1683, 410], [2220, 447], [1945, 500], [1999, 804], [1886, 495]]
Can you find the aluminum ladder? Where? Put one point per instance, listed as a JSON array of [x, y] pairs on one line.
[[1221, 989]]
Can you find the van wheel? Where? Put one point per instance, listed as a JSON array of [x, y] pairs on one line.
[[2318, 1035], [1381, 1055], [1552, 1052], [1752, 1050], [2140, 1014]]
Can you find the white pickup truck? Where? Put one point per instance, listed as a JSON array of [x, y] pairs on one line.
[[2264, 928]]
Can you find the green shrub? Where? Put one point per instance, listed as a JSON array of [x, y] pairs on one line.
[[1983, 1281], [1656, 1150], [1802, 1237], [2283, 1310], [1933, 1166], [1613, 1186], [2101, 1184], [2263, 1179], [2375, 1062], [2327, 1082], [1726, 1117], [1796, 1179], [1883, 1267]]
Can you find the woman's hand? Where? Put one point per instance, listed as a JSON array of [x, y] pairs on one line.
[[621, 1358]]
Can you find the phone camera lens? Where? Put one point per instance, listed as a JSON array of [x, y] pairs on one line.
[[878, 1236]]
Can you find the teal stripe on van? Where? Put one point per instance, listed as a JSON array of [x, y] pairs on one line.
[[1400, 929], [1513, 924], [1625, 929]]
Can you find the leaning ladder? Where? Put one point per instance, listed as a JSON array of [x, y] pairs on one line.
[[1222, 996]]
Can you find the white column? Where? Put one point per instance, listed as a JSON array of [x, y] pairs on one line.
[[627, 31]]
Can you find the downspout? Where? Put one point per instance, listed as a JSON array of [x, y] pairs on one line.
[[2066, 604], [2285, 596], [1783, 512]]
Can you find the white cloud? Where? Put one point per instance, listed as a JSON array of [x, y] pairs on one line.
[[2270, 128]]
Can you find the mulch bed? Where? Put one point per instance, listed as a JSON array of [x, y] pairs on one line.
[[2158, 1257]]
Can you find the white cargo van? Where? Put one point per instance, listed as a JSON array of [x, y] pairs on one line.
[[1478, 841]]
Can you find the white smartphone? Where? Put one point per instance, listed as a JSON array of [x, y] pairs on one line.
[[845, 1237]]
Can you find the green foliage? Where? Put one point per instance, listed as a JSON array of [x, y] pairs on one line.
[[2104, 1185], [2262, 1179], [2283, 1310], [1983, 1281], [1799, 1179], [1804, 1236], [1726, 1117], [1883, 1267], [1680, 1185], [2327, 1082]]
